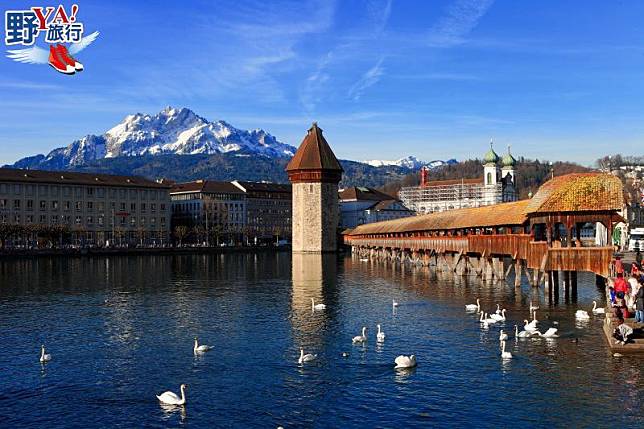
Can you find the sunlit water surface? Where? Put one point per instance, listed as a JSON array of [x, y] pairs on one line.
[[120, 330]]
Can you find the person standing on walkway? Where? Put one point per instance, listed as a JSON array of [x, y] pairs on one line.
[[619, 267], [620, 286], [639, 305]]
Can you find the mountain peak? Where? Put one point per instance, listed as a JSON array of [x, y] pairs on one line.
[[173, 130]]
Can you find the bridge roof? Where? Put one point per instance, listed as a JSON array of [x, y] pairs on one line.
[[578, 192], [505, 214]]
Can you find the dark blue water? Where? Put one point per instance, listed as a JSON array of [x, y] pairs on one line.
[[120, 331]]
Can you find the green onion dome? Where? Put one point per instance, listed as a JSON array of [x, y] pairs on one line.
[[508, 160], [490, 157]]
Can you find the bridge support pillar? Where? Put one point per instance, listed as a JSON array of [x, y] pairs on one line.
[[517, 273], [573, 285]]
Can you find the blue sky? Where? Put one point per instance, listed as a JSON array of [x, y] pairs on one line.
[[384, 79]]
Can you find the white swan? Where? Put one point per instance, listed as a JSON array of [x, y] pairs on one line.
[[306, 357], [522, 334], [504, 354], [360, 338], [364, 259], [405, 361], [473, 307], [44, 357], [200, 348], [172, 398], [315, 306], [534, 318], [533, 307], [599, 310], [529, 327], [380, 336], [499, 317], [503, 336], [582, 315], [498, 309], [394, 303], [550, 333], [489, 319]]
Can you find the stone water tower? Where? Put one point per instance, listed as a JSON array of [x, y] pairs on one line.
[[315, 173]]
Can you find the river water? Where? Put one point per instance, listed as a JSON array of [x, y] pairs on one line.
[[120, 330]]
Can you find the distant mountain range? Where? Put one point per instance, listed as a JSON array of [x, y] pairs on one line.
[[411, 162], [180, 145]]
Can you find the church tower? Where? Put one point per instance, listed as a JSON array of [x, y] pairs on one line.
[[490, 169], [315, 173]]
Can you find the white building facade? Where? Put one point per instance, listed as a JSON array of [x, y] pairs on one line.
[[497, 185]]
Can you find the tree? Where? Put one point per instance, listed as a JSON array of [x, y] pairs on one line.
[[180, 232], [200, 233], [119, 233], [140, 232], [216, 231], [7, 231]]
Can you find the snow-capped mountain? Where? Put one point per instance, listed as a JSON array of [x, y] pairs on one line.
[[171, 131], [411, 162]]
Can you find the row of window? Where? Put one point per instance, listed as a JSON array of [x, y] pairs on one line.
[[79, 191], [78, 220], [78, 205]]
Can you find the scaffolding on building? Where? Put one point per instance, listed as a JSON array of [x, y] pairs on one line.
[[450, 195]]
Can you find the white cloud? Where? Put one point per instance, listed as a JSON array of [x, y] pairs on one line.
[[368, 79], [460, 19]]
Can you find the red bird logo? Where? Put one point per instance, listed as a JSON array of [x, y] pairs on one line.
[[59, 56]]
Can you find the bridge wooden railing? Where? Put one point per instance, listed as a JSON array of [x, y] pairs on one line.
[[537, 254]]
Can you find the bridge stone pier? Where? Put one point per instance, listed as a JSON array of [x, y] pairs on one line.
[[535, 239]]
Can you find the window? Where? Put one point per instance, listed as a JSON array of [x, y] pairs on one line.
[[90, 191], [29, 219], [133, 207], [489, 178], [54, 205], [43, 218], [16, 204], [3, 218], [153, 220], [79, 220], [122, 220], [79, 206], [142, 221], [16, 218], [153, 206], [142, 207], [54, 219], [90, 206], [133, 221], [101, 220], [67, 205], [122, 207], [90, 220], [162, 221], [163, 207], [43, 205], [101, 206], [3, 204], [30, 204]]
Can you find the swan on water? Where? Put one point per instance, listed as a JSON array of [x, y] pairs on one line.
[[315, 306], [503, 336], [522, 334], [582, 314], [360, 338], [597, 310], [380, 336], [364, 259], [504, 354], [44, 357], [499, 317], [529, 327], [533, 307], [306, 357], [200, 348], [550, 333], [473, 307], [172, 398], [534, 318], [498, 309], [405, 361], [489, 319]]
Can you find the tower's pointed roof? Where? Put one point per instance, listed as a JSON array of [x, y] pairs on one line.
[[490, 157], [314, 153], [508, 160]]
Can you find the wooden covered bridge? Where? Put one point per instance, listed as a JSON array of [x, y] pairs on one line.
[[540, 236]]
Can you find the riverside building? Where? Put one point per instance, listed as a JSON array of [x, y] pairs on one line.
[[497, 185], [360, 205], [96, 208], [218, 208]]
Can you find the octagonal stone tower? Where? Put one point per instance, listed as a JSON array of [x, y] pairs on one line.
[[315, 173]]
